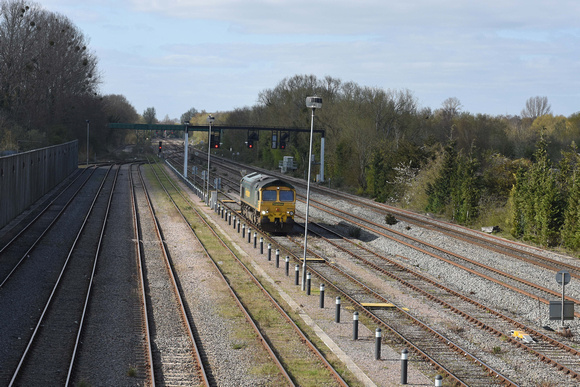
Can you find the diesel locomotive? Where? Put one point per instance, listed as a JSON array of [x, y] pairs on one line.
[[268, 202]]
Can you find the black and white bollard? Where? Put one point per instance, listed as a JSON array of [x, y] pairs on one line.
[[297, 275], [255, 239], [238, 226], [438, 381], [229, 218], [243, 230], [269, 251], [404, 364], [378, 334], [308, 283], [355, 326], [277, 258], [261, 245], [337, 314], [235, 217], [249, 234], [287, 260], [321, 303]]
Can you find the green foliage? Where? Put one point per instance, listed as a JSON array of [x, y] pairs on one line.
[[392, 168], [390, 219], [439, 192], [149, 115], [571, 227], [570, 183], [188, 115], [466, 192], [536, 203]]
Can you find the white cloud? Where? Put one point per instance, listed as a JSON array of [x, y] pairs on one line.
[[491, 55]]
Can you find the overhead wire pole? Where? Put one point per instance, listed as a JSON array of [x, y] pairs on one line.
[[313, 103]]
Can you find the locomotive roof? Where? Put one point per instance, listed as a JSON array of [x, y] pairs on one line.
[[260, 180]]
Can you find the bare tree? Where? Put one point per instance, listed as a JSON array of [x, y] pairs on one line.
[[451, 108], [118, 109], [46, 70], [536, 107]]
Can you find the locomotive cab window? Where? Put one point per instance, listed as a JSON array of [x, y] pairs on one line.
[[269, 196], [286, 196]]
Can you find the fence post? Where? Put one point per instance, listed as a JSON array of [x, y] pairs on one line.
[[378, 334], [404, 364]]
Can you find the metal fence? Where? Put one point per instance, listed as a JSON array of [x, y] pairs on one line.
[[26, 177]]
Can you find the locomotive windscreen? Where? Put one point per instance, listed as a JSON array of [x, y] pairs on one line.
[[269, 196], [286, 196]]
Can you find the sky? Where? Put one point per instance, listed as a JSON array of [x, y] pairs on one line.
[[218, 55]]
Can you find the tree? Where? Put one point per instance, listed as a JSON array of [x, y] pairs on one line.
[[450, 108], [185, 117], [536, 107], [537, 208], [571, 226], [466, 192], [149, 115], [118, 109], [48, 76], [439, 192]]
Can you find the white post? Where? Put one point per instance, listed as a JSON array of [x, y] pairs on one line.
[[322, 159], [563, 298], [307, 202], [209, 120], [185, 143]]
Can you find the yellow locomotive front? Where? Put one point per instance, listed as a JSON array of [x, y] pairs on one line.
[[276, 207], [268, 202]]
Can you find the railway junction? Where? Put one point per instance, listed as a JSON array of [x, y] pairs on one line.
[[123, 275]]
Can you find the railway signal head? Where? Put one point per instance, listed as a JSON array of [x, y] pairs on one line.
[[160, 144], [215, 140], [283, 140], [252, 136]]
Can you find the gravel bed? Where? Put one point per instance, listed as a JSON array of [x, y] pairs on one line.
[[493, 295], [109, 352], [23, 297], [234, 361], [527, 370]]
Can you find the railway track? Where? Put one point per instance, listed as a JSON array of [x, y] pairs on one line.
[[24, 238], [284, 341], [473, 266], [174, 350], [528, 288], [547, 348], [59, 325]]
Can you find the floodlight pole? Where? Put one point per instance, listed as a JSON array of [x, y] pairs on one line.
[[307, 202]]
